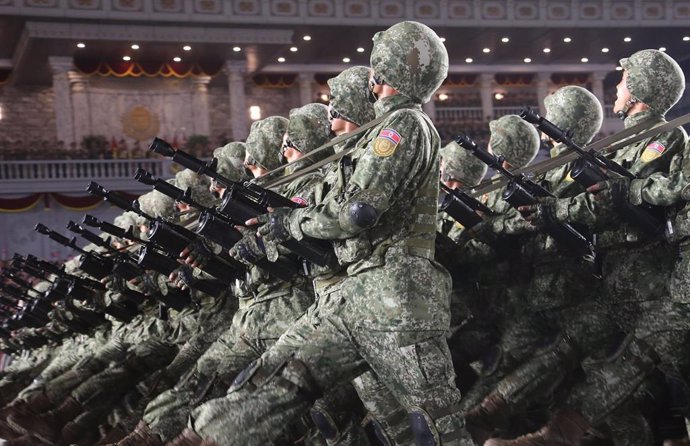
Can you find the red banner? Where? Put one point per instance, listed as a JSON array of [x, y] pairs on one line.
[[80, 203]]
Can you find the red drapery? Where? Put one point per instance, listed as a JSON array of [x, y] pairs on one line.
[[148, 69], [79, 203]]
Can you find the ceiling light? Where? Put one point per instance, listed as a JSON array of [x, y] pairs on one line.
[[281, 59], [177, 59], [255, 112], [486, 50], [584, 60], [527, 60], [293, 49], [469, 60], [443, 39], [135, 46], [567, 39], [499, 96], [360, 50], [505, 40], [547, 50], [187, 48], [604, 50], [619, 68], [324, 97], [627, 39], [662, 49], [81, 45], [346, 59], [442, 97], [236, 49], [126, 58], [307, 37], [686, 39]]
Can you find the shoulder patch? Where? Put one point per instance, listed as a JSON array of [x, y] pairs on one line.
[[652, 151], [299, 200], [386, 142]]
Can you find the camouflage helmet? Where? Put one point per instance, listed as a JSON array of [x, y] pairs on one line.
[[654, 78], [514, 139], [349, 95], [265, 139], [411, 58], [157, 204], [198, 183], [309, 127], [460, 165], [230, 160], [126, 219], [575, 108]]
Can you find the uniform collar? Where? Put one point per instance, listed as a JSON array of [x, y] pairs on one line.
[[395, 102], [642, 116]]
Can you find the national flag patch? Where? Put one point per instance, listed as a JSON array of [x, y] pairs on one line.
[[653, 151], [386, 142], [299, 200]]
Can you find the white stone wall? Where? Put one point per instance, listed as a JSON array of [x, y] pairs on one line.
[[27, 113]]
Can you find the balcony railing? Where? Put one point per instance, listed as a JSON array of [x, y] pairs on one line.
[[458, 114], [73, 175]]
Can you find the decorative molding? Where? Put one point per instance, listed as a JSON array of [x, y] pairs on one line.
[[141, 33], [60, 64], [493, 13]]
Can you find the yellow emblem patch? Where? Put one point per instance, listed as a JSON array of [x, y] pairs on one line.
[[652, 152], [386, 142]]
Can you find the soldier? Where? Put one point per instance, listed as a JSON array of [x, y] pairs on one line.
[[636, 265], [393, 306]]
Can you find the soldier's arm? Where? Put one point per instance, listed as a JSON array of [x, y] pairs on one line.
[[664, 188], [384, 169]]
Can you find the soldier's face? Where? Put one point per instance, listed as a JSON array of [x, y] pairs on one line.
[[623, 96], [289, 151]]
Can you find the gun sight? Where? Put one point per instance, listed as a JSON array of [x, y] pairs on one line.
[[161, 147]]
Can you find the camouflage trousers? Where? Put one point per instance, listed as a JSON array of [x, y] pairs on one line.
[[21, 371], [255, 327], [656, 318], [412, 360]]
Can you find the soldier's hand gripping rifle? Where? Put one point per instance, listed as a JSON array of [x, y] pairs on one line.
[[91, 263], [591, 167], [170, 238], [216, 226], [462, 207], [245, 200], [522, 191]]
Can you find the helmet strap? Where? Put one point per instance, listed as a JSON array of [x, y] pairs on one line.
[[628, 105]]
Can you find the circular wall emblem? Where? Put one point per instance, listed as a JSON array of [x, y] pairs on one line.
[[140, 123]]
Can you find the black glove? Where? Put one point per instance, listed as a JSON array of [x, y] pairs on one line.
[[274, 225]]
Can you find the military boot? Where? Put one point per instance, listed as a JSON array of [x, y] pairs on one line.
[[80, 432], [482, 420], [190, 438], [142, 435], [7, 432], [47, 426], [36, 404], [566, 428]]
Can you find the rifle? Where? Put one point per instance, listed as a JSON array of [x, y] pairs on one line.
[[462, 207], [169, 237], [522, 191], [215, 225], [124, 265], [91, 263], [590, 168], [246, 200]]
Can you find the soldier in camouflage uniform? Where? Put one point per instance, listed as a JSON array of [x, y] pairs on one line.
[[392, 311], [502, 280], [637, 265], [267, 307], [559, 295]]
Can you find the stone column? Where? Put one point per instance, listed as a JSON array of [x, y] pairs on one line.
[[81, 111], [306, 92], [239, 114], [543, 80], [485, 85], [200, 109], [430, 109], [598, 85], [60, 66]]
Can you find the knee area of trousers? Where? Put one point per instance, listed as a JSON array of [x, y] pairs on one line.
[[325, 423], [423, 428]]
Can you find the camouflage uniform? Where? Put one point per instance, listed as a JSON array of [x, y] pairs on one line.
[[266, 308], [389, 209], [636, 266]]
